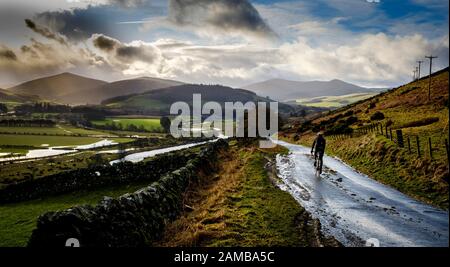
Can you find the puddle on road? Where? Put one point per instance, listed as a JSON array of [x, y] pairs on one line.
[[354, 208]]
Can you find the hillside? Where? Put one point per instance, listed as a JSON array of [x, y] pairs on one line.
[[333, 102], [7, 96], [118, 88], [284, 90], [159, 101], [68, 88], [57, 87], [405, 108]]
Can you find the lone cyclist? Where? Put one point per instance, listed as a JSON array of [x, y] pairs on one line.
[[318, 148]]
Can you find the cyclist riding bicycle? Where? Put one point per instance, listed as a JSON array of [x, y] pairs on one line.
[[318, 148]]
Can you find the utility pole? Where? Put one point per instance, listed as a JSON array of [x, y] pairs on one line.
[[414, 75], [417, 73], [420, 62], [429, 80]]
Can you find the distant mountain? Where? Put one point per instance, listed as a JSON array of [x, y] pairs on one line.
[[73, 89], [7, 96], [55, 88], [284, 90], [159, 101]]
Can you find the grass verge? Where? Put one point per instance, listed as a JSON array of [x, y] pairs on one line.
[[241, 206]]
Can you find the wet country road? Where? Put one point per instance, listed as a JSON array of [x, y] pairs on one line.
[[354, 208]]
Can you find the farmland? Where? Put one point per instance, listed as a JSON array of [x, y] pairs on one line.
[[149, 124], [333, 101], [11, 142], [57, 130], [19, 219]]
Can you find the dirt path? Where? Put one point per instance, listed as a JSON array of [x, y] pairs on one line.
[[241, 206]]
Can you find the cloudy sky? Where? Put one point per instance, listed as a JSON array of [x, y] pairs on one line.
[[231, 42]]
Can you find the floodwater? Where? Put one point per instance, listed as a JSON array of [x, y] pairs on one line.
[[354, 208], [98, 144], [39, 153], [140, 156], [137, 157], [57, 150]]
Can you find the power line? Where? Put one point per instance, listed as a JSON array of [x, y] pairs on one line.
[[429, 80], [420, 62]]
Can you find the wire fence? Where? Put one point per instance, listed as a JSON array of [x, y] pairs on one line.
[[423, 146]]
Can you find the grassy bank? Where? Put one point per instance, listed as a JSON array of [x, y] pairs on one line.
[[240, 206], [407, 108]]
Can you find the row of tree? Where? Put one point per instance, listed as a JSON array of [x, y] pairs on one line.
[[27, 123], [42, 107], [3, 108]]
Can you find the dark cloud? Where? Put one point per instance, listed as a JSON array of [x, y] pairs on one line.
[[79, 24], [7, 53], [227, 15], [105, 43], [136, 53], [128, 3], [125, 53], [45, 32]]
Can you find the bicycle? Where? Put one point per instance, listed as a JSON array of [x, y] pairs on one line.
[[318, 162]]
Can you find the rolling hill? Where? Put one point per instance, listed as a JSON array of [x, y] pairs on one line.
[[7, 96], [406, 108], [285, 90], [68, 88], [159, 101], [119, 88], [57, 87]]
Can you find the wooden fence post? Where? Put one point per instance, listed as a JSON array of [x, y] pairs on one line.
[[409, 146], [430, 147], [390, 131], [418, 146], [399, 138], [446, 149]]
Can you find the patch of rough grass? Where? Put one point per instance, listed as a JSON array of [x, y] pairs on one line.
[[241, 207]]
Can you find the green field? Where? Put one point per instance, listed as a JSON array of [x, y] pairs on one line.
[[333, 101], [142, 103], [11, 142], [149, 124], [57, 130], [18, 220]]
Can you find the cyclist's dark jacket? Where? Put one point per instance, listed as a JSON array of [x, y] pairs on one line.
[[319, 144]]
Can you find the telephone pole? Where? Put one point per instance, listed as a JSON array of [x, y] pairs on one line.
[[414, 75], [420, 62], [417, 73], [429, 80]]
